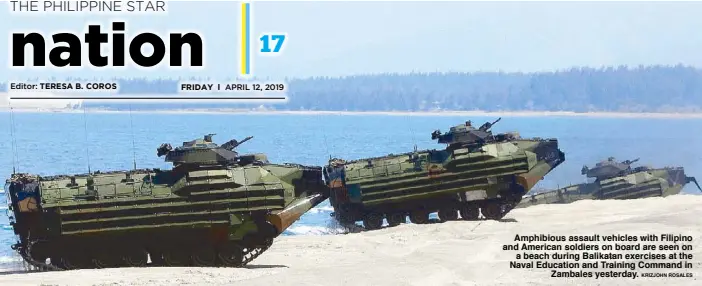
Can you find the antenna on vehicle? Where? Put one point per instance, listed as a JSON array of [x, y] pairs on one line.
[[409, 119], [85, 131], [131, 127], [12, 134], [326, 146], [324, 135]]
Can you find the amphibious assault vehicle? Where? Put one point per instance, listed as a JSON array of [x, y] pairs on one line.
[[617, 180], [213, 208], [476, 172]]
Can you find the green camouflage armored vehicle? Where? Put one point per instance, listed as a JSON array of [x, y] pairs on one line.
[[617, 180], [213, 208], [477, 172]]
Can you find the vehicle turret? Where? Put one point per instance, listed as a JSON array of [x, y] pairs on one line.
[[463, 135], [608, 169], [202, 152]]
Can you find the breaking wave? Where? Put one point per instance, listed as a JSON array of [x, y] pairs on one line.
[[321, 209], [314, 230], [10, 259]]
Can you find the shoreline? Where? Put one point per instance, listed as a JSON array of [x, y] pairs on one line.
[[478, 113]]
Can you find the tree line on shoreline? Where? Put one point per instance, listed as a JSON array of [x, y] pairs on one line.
[[610, 89]]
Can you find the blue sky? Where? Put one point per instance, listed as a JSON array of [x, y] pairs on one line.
[[341, 38]]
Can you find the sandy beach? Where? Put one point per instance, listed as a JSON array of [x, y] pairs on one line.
[[453, 253]]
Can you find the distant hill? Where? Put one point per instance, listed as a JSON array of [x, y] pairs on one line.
[[621, 89]]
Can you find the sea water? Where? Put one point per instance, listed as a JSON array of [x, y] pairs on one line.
[[57, 143]]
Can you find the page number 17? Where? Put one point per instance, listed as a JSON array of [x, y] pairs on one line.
[[277, 41]]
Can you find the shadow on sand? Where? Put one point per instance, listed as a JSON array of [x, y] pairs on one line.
[[260, 266], [10, 272], [358, 229]]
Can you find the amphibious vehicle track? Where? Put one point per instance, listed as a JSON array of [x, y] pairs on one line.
[[474, 215], [32, 265]]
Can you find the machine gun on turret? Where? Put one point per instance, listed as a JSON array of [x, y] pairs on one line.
[[488, 125], [232, 144]]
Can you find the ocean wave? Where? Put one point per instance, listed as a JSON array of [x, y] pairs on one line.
[[10, 259], [321, 209], [314, 230]]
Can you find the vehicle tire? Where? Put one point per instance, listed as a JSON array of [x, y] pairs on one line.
[[395, 219], [492, 210], [470, 212], [419, 217], [448, 214], [373, 221]]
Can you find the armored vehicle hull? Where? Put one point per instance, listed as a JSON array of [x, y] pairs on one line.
[[490, 178], [641, 183], [201, 215]]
